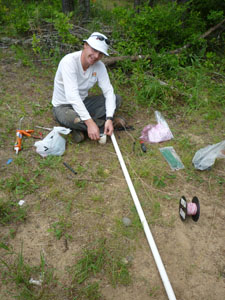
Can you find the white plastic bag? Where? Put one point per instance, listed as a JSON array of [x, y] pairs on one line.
[[157, 133], [53, 143], [205, 157]]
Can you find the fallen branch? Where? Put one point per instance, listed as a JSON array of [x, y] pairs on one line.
[[113, 60], [212, 29], [202, 36]]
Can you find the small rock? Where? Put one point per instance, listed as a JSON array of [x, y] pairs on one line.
[[127, 260], [126, 221]]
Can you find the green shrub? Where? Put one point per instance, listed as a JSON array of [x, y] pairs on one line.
[[165, 26], [3, 12], [63, 26], [206, 7], [21, 17]]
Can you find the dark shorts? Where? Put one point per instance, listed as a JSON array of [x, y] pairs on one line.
[[66, 116]]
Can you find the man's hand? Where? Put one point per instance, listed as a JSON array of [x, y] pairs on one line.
[[108, 127], [92, 129]]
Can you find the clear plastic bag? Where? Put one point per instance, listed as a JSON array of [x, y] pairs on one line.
[[53, 143], [157, 133], [205, 157]]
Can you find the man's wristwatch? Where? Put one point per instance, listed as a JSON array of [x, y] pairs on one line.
[[109, 118]]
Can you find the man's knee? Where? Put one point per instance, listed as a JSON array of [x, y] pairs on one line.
[[77, 120], [65, 116]]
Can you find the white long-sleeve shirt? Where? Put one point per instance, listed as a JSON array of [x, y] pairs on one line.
[[72, 83]]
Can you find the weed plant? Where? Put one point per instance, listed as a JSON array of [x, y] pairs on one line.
[[11, 212], [60, 228], [100, 259], [18, 273], [19, 185]]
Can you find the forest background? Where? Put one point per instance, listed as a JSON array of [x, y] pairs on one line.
[[154, 29], [70, 236]]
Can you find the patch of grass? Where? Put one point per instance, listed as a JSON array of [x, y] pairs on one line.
[[193, 176], [144, 172], [19, 185], [159, 182], [184, 143], [81, 183], [212, 115], [154, 291], [102, 172], [88, 291], [164, 180], [39, 109], [155, 212], [97, 198], [80, 169], [12, 232], [96, 262], [11, 212], [50, 161], [23, 56], [132, 230], [220, 180], [54, 192], [60, 228], [16, 271], [20, 161], [91, 263]]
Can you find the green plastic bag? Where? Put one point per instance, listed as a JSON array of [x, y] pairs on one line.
[[172, 158]]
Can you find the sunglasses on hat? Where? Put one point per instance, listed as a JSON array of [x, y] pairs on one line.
[[101, 38]]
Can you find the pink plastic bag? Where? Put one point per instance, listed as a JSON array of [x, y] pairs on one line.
[[157, 133]]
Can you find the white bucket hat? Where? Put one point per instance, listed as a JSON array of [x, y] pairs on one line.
[[98, 41]]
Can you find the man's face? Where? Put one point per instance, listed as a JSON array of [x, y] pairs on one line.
[[91, 55]]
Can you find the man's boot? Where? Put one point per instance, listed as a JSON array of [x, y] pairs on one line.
[[78, 136]]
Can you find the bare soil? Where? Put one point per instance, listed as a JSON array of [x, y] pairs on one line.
[[192, 252]]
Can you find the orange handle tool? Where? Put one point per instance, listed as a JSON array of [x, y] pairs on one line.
[[18, 143], [19, 136]]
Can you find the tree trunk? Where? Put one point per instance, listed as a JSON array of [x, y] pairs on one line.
[[137, 4], [84, 6], [67, 6], [151, 3]]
